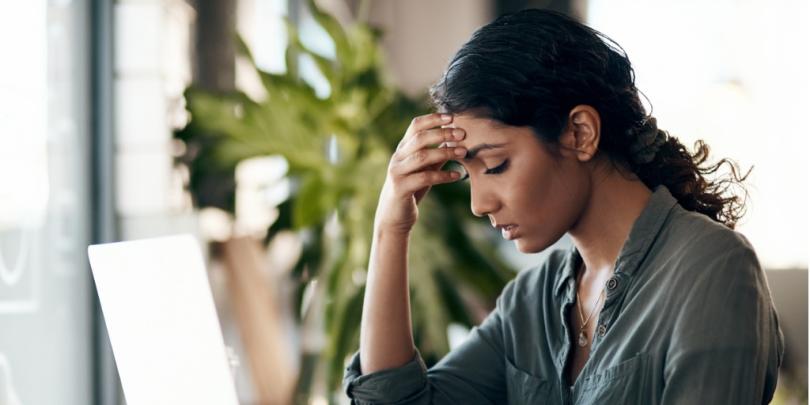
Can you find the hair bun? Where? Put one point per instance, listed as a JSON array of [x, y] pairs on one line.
[[647, 142]]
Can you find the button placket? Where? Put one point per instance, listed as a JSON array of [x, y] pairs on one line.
[[613, 289], [612, 283], [601, 331]]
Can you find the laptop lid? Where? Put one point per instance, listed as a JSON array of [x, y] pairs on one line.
[[162, 322]]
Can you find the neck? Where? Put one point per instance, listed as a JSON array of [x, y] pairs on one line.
[[614, 204]]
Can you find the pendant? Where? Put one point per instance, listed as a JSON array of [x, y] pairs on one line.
[[582, 341]]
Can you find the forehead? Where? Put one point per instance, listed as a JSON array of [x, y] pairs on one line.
[[479, 130], [488, 131], [475, 125]]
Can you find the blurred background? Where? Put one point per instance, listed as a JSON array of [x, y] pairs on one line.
[[264, 128]]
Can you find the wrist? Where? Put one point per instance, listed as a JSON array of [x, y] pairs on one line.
[[389, 231]]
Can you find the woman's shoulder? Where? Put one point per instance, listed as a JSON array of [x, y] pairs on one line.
[[702, 238], [693, 249]]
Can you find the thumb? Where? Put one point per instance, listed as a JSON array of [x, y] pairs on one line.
[[419, 195]]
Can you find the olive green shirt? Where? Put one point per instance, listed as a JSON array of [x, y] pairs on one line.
[[687, 319]]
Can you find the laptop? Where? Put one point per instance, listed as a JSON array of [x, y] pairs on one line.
[[162, 322]]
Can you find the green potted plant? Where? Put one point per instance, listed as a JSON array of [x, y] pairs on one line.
[[454, 265]]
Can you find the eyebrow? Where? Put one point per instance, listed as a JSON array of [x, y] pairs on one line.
[[475, 149]]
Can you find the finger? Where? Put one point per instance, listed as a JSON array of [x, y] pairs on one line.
[[436, 136], [428, 121], [425, 158], [418, 181]]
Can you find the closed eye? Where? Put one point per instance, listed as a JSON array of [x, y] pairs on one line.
[[495, 170], [499, 169]]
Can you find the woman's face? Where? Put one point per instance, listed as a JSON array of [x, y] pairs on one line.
[[518, 181]]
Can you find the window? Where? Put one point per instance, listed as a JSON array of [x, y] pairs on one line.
[[735, 75]]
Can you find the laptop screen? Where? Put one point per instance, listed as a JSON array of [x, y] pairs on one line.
[[162, 322]]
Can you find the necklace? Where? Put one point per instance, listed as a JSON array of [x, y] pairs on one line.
[[582, 339]]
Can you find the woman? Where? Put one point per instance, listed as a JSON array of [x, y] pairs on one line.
[[658, 301]]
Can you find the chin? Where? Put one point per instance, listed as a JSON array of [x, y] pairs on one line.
[[527, 246], [524, 246]]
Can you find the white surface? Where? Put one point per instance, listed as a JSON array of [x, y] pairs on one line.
[[143, 182], [733, 73], [162, 322], [23, 115], [138, 36], [141, 114]]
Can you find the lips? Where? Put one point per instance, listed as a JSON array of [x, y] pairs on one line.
[[508, 231]]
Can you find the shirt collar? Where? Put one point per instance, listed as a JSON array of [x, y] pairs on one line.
[[646, 227]]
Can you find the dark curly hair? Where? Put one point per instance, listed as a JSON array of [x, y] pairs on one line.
[[532, 67]]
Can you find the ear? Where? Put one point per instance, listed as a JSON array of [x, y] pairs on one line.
[[582, 133]]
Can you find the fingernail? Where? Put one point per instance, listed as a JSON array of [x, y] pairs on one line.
[[458, 133], [460, 151], [446, 117]]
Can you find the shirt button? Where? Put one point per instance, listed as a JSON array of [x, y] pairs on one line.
[[612, 283], [602, 330]]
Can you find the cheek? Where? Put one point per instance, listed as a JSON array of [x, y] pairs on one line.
[[534, 193], [549, 206]]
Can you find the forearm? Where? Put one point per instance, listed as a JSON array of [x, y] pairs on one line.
[[386, 338]]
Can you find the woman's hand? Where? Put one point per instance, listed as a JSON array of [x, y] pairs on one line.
[[415, 167]]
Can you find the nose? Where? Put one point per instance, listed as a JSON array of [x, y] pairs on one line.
[[482, 201]]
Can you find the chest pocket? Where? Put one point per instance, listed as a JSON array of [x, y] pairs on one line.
[[623, 383], [524, 388]]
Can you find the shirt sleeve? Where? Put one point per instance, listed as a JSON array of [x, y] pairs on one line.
[[472, 373], [726, 345]]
